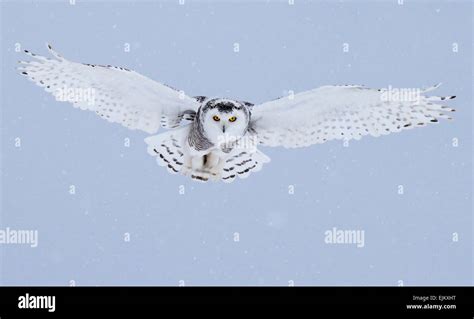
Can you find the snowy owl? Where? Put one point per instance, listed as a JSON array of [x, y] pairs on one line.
[[217, 138]]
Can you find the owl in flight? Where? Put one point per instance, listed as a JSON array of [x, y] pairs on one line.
[[217, 138]]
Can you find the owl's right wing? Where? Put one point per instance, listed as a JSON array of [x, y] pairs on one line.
[[116, 94], [343, 113]]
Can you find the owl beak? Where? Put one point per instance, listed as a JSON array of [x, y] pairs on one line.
[[223, 128]]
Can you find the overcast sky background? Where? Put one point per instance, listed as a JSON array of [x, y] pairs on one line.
[[190, 238]]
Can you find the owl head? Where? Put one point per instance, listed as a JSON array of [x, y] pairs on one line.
[[223, 119]]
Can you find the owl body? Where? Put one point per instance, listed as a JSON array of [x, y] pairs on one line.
[[216, 138]]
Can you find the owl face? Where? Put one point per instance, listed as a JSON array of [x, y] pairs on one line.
[[224, 120]]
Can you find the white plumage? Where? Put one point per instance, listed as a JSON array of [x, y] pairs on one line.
[[121, 95], [198, 144], [342, 113]]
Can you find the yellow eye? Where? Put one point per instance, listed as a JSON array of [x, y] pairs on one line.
[[216, 118], [232, 119]]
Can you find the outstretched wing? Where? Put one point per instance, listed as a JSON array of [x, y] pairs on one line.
[[344, 113], [117, 94]]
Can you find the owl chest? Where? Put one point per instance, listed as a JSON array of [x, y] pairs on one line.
[[202, 148], [200, 143]]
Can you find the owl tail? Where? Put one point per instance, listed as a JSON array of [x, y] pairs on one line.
[[168, 148], [242, 163]]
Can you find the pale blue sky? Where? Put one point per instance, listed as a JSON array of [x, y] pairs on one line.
[[191, 237]]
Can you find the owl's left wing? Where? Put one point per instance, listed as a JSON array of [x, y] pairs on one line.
[[117, 94], [343, 113]]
